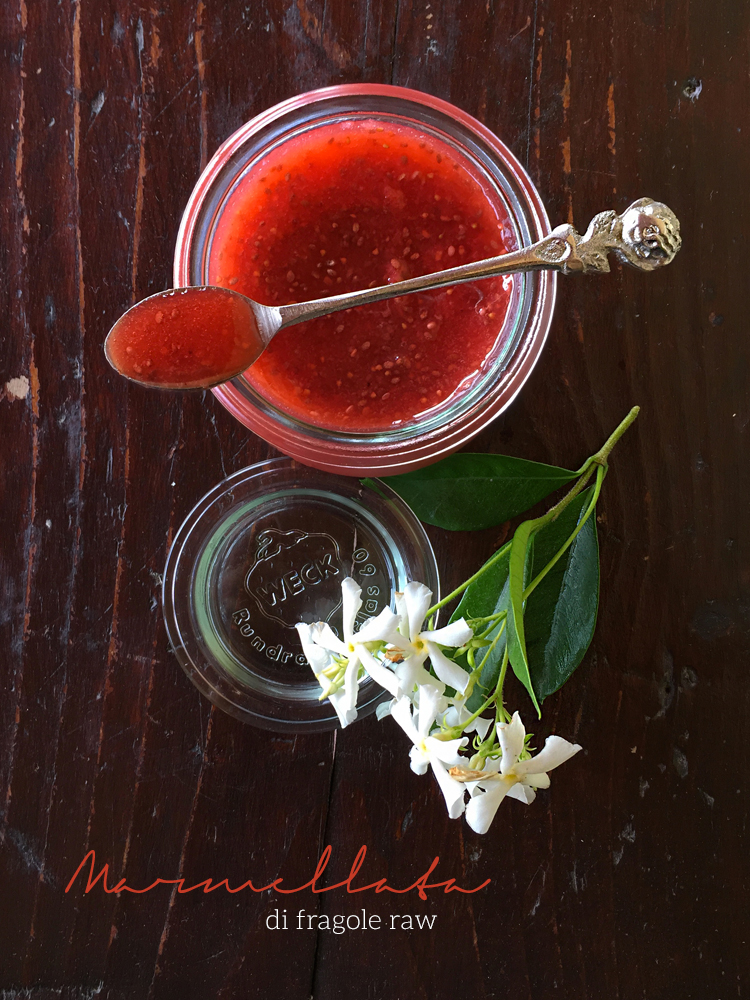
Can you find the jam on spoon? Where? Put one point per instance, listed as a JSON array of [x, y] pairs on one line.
[[194, 338], [185, 338]]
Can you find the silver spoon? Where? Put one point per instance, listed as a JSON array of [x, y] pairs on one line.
[[152, 343]]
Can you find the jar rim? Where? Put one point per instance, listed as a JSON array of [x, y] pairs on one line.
[[388, 452]]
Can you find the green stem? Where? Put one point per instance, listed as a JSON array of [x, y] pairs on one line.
[[554, 512], [478, 670], [597, 462], [487, 618], [460, 589], [600, 458], [500, 712], [501, 678], [600, 474], [487, 631], [495, 694], [484, 749]]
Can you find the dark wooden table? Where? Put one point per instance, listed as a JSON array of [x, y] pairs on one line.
[[629, 878]]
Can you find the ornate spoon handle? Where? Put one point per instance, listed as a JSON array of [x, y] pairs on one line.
[[646, 236]]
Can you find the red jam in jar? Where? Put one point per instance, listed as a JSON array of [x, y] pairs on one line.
[[353, 205]]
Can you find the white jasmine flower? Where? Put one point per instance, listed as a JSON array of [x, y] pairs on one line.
[[457, 714], [379, 673], [326, 667], [384, 709], [429, 751], [327, 654], [509, 775], [415, 645]]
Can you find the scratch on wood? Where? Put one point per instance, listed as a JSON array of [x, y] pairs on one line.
[[34, 383], [579, 713], [613, 730], [314, 31], [19, 145], [482, 106], [139, 181], [394, 42], [554, 927], [323, 839], [199, 29], [79, 245], [152, 61], [611, 121], [136, 786], [536, 133], [181, 865], [33, 372], [565, 146], [31, 558], [43, 875], [540, 894], [34, 402], [114, 643], [171, 101], [24, 845], [566, 142], [111, 652], [212, 418], [579, 325], [141, 758], [521, 30], [475, 939], [155, 53], [565, 94], [531, 87], [40, 865]]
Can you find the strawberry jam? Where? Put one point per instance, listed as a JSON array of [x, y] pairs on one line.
[[185, 338], [353, 205]]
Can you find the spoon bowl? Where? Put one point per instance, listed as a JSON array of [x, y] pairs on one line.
[[185, 338]]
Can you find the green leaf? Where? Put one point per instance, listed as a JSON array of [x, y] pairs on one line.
[[516, 631], [560, 614], [486, 596], [483, 597], [487, 680], [466, 492]]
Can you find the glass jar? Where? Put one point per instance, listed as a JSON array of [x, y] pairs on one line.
[[266, 548], [443, 429]]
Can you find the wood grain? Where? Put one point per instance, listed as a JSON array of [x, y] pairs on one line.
[[629, 878]]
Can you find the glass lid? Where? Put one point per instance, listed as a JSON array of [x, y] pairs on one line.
[[267, 548]]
